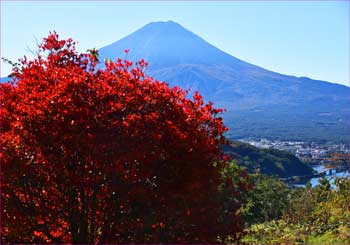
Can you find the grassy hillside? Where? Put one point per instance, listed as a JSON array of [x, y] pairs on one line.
[[267, 161]]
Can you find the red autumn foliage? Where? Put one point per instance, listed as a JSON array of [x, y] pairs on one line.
[[107, 155]]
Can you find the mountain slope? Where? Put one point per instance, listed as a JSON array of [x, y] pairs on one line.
[[259, 102], [267, 161], [166, 44]]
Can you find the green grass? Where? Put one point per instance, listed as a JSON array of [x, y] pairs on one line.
[[326, 238]]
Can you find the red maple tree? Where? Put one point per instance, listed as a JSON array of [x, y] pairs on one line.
[[109, 155]]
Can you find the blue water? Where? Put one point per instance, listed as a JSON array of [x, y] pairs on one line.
[[320, 168]]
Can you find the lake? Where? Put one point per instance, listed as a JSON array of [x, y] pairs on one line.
[[320, 168]]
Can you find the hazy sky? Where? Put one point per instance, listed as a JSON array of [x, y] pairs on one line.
[[301, 38]]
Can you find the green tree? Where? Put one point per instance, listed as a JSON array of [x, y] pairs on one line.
[[266, 200]]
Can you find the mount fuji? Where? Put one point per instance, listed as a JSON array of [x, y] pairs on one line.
[[259, 102]]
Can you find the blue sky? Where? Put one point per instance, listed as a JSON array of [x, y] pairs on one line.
[[301, 38]]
